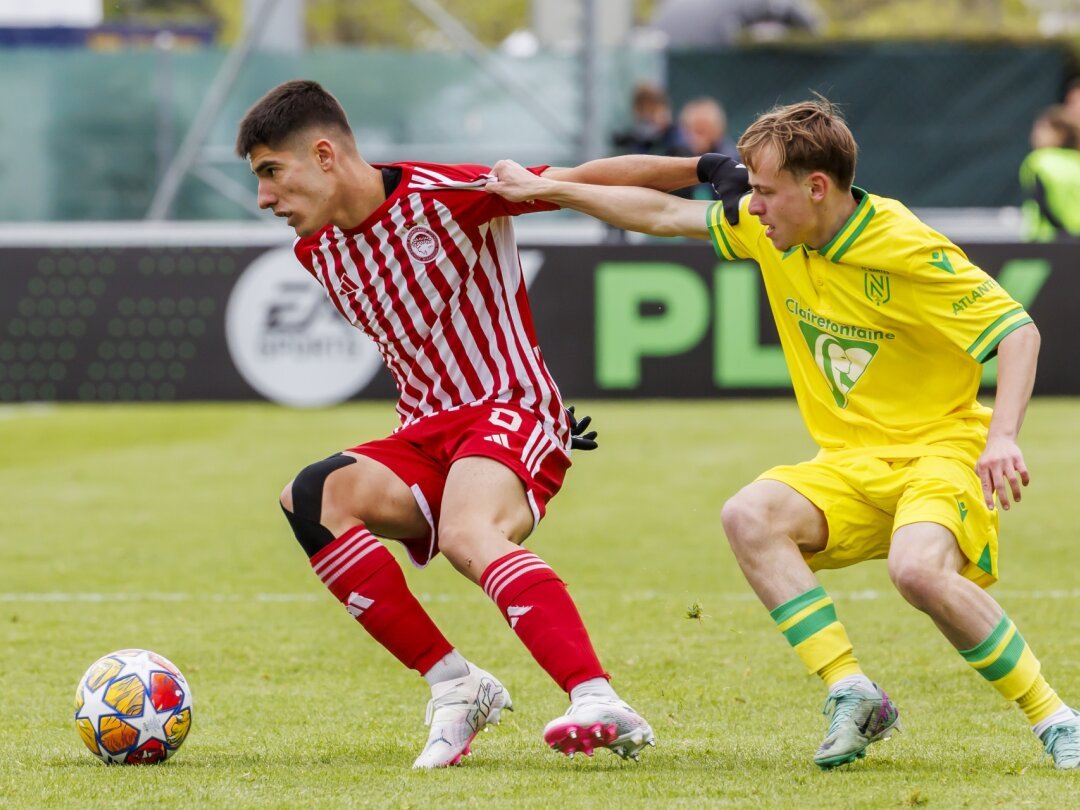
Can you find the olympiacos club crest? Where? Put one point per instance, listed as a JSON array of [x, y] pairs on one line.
[[422, 243]]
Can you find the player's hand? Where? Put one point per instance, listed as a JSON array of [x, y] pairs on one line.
[[514, 182], [579, 439], [729, 179], [1002, 470]]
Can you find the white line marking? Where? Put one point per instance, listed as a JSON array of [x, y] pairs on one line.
[[26, 409]]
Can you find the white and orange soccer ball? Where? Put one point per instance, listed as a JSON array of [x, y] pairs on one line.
[[133, 707]]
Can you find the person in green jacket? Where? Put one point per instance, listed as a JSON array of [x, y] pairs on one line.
[[1050, 179]]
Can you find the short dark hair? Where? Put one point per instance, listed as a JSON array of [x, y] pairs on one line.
[[286, 110], [808, 137]]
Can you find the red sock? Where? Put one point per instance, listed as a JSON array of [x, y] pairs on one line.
[[539, 609], [364, 576]]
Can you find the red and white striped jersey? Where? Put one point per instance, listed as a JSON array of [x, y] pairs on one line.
[[433, 277]]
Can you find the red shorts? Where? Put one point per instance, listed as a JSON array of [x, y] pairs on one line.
[[420, 454]]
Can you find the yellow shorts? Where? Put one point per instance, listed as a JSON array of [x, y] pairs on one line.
[[865, 499]]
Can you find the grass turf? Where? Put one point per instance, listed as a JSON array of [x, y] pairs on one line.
[[157, 527]]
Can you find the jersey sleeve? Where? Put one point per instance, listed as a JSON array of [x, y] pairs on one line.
[[963, 303], [731, 241], [515, 208]]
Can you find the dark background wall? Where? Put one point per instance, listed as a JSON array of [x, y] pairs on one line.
[[939, 124], [661, 320]]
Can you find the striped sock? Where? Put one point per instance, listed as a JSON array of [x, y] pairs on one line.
[[1005, 659], [539, 609], [364, 576], [809, 624]]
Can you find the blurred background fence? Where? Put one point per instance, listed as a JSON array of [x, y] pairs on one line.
[[87, 135]]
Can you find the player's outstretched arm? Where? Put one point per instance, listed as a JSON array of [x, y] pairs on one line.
[[647, 171], [1001, 465], [634, 209]]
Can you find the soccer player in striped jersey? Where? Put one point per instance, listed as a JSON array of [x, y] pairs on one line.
[[423, 260], [884, 324]]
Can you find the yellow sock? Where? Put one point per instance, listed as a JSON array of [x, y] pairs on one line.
[[1005, 659], [843, 667], [810, 625], [1040, 701]]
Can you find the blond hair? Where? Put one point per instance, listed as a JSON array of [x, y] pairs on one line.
[[810, 136]]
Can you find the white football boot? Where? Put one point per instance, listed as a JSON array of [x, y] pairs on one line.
[[457, 711], [592, 723]]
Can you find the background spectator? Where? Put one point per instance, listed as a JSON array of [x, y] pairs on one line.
[[1050, 178], [703, 123], [653, 132]]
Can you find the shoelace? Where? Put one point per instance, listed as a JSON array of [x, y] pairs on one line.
[[839, 707], [432, 707], [1063, 741]]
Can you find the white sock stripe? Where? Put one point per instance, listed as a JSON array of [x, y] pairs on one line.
[[331, 560], [347, 539], [539, 565], [509, 564], [349, 563], [361, 537], [507, 567]]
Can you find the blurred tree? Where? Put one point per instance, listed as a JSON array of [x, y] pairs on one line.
[[159, 9], [914, 19], [228, 14], [396, 23]]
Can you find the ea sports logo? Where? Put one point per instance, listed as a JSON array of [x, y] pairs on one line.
[[422, 243], [287, 340]]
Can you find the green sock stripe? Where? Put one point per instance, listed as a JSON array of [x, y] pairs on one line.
[[814, 623], [1006, 662], [785, 611], [980, 651]]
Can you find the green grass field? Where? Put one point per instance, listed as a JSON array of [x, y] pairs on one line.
[[158, 527]]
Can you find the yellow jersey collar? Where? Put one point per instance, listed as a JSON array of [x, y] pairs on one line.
[[856, 223]]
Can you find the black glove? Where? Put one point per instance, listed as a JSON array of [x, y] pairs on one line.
[[729, 180], [579, 439]]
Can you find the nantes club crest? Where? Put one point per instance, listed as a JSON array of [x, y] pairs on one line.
[[841, 359], [876, 286]]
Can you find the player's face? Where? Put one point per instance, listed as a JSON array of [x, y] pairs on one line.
[[781, 201], [293, 185]]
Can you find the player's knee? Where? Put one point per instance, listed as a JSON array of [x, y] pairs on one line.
[[285, 499], [302, 502], [916, 581], [456, 539], [742, 521]]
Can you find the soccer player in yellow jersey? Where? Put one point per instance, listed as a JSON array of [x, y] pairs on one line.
[[884, 324]]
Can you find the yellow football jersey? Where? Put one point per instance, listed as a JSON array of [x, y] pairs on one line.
[[883, 329]]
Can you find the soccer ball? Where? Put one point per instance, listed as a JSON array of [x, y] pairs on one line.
[[133, 707]]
